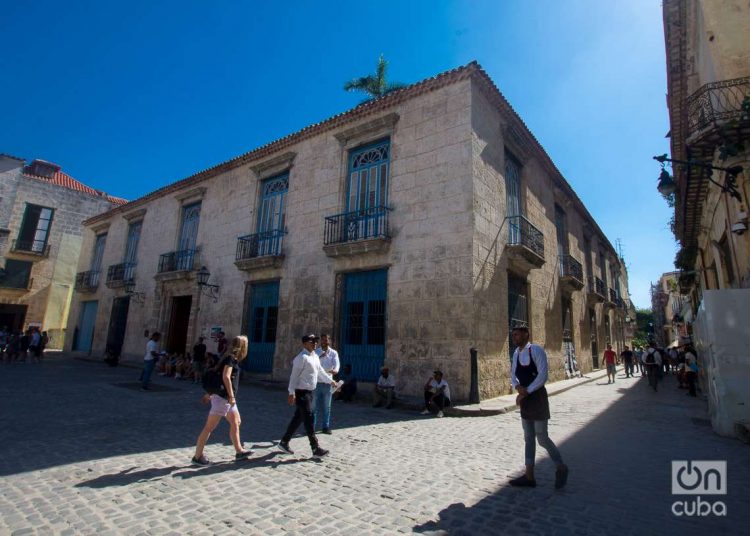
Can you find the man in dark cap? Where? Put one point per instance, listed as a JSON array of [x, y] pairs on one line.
[[306, 372]]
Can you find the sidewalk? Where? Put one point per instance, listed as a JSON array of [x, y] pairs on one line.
[[507, 403]]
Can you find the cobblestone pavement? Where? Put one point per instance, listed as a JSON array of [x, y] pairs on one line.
[[82, 454]]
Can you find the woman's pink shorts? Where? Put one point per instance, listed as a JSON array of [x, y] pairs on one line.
[[220, 406]]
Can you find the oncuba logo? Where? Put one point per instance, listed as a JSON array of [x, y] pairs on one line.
[[699, 477]]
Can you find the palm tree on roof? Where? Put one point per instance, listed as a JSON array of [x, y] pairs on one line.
[[375, 85]]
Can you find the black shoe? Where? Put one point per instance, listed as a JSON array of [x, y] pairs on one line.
[[200, 461], [523, 482], [319, 452], [284, 447], [561, 477], [326, 431], [245, 454]]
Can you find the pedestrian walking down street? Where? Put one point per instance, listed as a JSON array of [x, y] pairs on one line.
[[306, 373], [627, 359], [149, 360], [639, 359], [35, 346], [224, 404], [528, 375], [652, 361], [610, 359], [329, 360]]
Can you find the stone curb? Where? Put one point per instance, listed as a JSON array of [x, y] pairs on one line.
[[464, 411], [407, 403]]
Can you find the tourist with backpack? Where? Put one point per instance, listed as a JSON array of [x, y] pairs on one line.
[[652, 361], [221, 383]]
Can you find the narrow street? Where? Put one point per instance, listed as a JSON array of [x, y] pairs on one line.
[[84, 452]]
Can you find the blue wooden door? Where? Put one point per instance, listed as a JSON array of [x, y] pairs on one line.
[[363, 323], [262, 315], [86, 321]]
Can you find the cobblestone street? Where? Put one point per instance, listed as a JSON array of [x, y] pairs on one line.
[[83, 452]]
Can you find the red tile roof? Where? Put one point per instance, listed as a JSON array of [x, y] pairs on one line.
[[66, 181]]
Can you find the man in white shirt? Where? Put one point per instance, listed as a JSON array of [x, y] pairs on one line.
[[329, 360], [306, 372], [529, 371], [385, 388], [149, 360], [437, 394]]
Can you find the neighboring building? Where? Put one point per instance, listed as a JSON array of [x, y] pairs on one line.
[[413, 227], [708, 77], [41, 215], [669, 307]]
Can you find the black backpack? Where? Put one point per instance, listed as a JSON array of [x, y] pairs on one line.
[[212, 381]]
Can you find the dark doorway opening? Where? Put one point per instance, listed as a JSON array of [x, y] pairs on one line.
[[594, 339], [12, 316], [178, 324], [118, 320]]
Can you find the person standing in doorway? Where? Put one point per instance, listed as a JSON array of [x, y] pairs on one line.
[[528, 376], [149, 360], [329, 360], [306, 373], [36, 345], [610, 359]]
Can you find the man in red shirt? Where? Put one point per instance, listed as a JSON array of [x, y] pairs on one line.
[[610, 358]]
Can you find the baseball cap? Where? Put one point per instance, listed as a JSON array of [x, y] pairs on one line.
[[310, 338]]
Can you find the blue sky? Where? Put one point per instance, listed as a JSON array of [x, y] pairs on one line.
[[130, 96]]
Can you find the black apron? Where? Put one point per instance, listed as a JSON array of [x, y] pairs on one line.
[[535, 406]]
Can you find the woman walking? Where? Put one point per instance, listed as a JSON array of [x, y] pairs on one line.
[[223, 403]]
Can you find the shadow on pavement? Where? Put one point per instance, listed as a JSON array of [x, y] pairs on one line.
[[620, 474], [79, 411]]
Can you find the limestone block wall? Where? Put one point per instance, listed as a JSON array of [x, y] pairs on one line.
[[429, 313], [49, 297], [491, 266]]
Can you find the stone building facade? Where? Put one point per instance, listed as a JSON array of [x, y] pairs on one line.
[[386, 225], [41, 231], [708, 97]]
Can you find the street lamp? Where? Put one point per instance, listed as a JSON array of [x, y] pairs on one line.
[[667, 186], [209, 290]]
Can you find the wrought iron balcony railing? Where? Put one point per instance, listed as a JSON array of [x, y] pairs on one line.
[[175, 261], [263, 244], [87, 281], [612, 295], [119, 274], [34, 247], [717, 102], [569, 267], [358, 225], [601, 288], [521, 232]]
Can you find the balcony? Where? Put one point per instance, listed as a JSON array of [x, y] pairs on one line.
[[571, 273], [596, 292], [260, 250], [353, 233], [525, 244], [176, 264], [31, 249], [87, 281], [715, 106], [119, 274]]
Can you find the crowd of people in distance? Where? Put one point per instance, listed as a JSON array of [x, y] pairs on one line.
[[18, 346]]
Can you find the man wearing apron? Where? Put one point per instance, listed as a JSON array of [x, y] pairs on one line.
[[528, 375]]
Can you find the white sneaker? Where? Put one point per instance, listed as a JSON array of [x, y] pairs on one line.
[[425, 412], [440, 414]]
